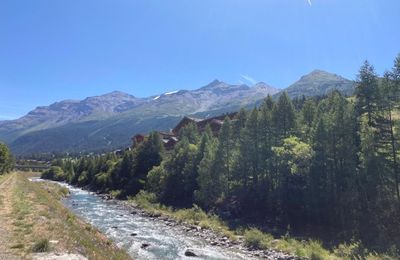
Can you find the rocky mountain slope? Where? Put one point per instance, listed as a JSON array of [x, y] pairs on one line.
[[107, 121], [318, 83]]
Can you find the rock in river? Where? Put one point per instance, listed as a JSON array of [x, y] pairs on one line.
[[190, 252], [144, 245]]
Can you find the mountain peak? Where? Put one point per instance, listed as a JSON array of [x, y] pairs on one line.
[[116, 93], [213, 84], [321, 73], [319, 82], [318, 71], [261, 84], [264, 87]]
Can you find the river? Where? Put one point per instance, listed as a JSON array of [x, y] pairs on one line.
[[133, 232]]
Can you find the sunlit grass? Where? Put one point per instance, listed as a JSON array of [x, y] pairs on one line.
[[39, 217]]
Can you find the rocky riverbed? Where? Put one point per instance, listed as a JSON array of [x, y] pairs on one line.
[[212, 238]]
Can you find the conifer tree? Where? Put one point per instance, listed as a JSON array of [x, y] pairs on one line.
[[284, 116], [367, 92]]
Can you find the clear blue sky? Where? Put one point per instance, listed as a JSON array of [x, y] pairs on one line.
[[52, 50]]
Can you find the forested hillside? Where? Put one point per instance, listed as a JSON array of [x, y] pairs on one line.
[[327, 167]]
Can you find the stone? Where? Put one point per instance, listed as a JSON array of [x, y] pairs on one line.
[[145, 245], [190, 252]]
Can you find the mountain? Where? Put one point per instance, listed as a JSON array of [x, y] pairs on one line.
[[68, 111], [107, 122], [318, 83]]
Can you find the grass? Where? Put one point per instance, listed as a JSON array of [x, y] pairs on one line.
[[253, 237], [37, 217], [43, 245], [193, 216]]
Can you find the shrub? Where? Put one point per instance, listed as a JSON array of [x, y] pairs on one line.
[[256, 239], [54, 173], [63, 191], [42, 245]]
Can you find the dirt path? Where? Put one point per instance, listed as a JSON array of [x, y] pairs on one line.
[[6, 185]]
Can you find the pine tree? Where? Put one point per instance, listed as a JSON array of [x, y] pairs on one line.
[[367, 92], [209, 180], [191, 132], [148, 155], [181, 178], [284, 116], [224, 155], [6, 160], [389, 104]]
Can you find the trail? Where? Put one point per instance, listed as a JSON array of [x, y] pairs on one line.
[[6, 187]]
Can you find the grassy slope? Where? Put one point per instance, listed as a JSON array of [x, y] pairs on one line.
[[32, 213]]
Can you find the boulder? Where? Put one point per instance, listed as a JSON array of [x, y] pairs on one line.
[[190, 252], [145, 245]]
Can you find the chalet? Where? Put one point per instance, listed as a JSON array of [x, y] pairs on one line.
[[171, 138], [214, 122], [138, 138]]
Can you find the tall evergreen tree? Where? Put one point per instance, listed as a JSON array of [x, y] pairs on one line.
[[284, 116], [148, 155], [367, 92]]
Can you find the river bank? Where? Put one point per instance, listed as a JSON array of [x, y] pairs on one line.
[[35, 225], [212, 237]]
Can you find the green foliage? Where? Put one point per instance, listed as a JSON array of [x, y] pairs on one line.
[[295, 155], [254, 238], [6, 159], [43, 245], [180, 175], [284, 115], [54, 173]]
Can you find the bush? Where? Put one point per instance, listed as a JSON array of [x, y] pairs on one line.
[[146, 200], [63, 191], [116, 193], [42, 245], [194, 214], [256, 239], [83, 178], [54, 173]]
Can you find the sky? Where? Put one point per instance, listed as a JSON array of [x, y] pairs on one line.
[[51, 50]]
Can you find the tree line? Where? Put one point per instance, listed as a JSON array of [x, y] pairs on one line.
[[330, 163]]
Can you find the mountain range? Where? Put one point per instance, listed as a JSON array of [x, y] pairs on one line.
[[107, 122]]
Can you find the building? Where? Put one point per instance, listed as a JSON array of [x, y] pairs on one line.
[[171, 138], [214, 122]]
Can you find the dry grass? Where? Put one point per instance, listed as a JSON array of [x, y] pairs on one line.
[[35, 215]]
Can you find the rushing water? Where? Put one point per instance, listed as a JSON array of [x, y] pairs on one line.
[[119, 224]]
